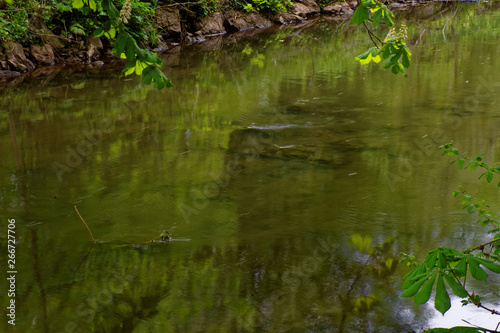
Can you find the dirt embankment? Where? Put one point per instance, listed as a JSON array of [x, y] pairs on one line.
[[16, 59]]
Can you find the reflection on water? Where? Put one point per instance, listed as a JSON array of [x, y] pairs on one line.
[[268, 155]]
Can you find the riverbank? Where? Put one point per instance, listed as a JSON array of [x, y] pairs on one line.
[[170, 25]]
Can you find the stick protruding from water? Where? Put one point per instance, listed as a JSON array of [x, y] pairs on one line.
[[93, 240]]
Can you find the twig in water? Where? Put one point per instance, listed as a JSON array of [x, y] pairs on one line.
[[93, 240], [151, 241], [91, 246]]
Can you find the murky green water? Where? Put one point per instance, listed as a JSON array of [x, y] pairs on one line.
[[269, 154]]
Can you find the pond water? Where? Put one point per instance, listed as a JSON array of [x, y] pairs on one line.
[[268, 157]]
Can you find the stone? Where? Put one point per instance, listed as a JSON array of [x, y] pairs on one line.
[[346, 9], [95, 44], [287, 18], [211, 25], [161, 45], [44, 55], [244, 21], [168, 19], [311, 4], [17, 59], [305, 8], [194, 38], [6, 74], [332, 8]]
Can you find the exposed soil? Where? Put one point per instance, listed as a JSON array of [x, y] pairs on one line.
[[16, 59]]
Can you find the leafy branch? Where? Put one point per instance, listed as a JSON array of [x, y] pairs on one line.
[[393, 48], [447, 266], [464, 162]]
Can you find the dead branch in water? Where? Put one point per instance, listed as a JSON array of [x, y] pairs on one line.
[[76, 270], [91, 236], [93, 240]]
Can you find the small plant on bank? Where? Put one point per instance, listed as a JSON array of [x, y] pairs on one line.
[[450, 267], [272, 6], [14, 23]]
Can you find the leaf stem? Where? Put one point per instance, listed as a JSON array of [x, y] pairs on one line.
[[371, 34]]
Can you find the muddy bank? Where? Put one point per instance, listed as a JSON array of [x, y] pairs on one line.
[[16, 59], [39, 60]]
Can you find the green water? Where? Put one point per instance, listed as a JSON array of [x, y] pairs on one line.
[[268, 155]]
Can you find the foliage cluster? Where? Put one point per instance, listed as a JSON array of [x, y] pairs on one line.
[[265, 5], [23, 20], [140, 61], [450, 267], [393, 48], [207, 7]]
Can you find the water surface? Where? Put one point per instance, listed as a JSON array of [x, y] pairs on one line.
[[269, 154]]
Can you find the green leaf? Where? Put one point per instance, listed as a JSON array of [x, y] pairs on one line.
[[363, 55], [423, 295], [99, 32], [110, 9], [489, 176], [442, 300], [406, 61], [120, 43], [359, 16], [415, 287], [130, 68], [77, 4], [456, 329], [377, 18], [395, 69], [442, 262], [130, 49], [147, 75], [455, 286], [430, 259], [477, 272], [367, 3], [489, 265], [460, 163], [386, 51], [461, 267], [77, 29], [413, 275], [388, 15], [92, 5]]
